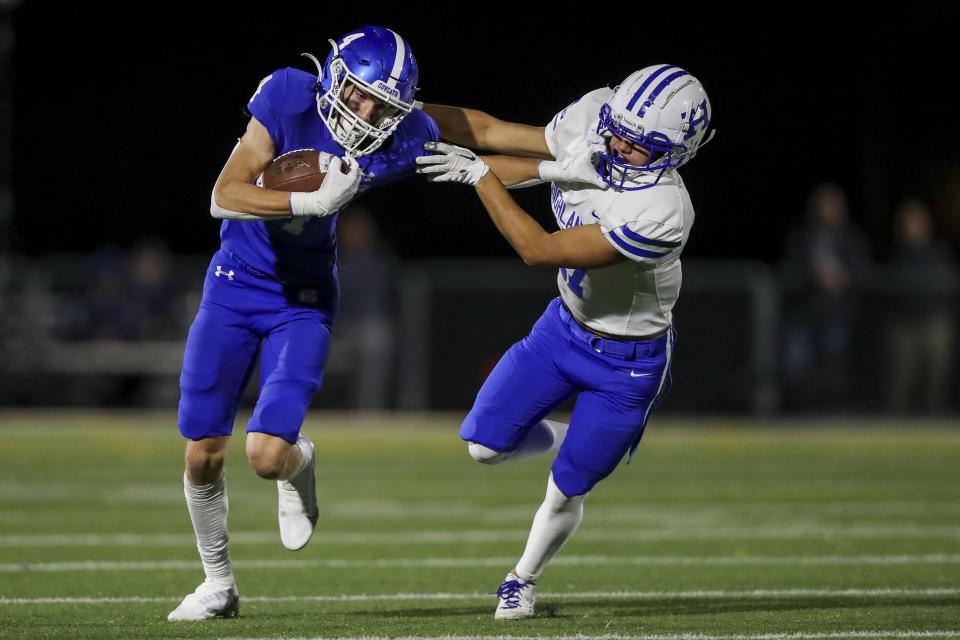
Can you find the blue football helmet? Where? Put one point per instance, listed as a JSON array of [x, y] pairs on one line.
[[381, 64], [662, 108]]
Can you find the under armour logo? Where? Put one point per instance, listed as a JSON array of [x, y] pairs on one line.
[[221, 272]]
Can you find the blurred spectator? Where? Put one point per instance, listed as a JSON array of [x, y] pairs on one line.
[[921, 334], [364, 328], [127, 297], [93, 307], [152, 311], [116, 297], [826, 257]]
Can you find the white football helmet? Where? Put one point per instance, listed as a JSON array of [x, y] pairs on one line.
[[662, 108]]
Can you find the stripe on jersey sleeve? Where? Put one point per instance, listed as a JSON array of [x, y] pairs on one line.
[[625, 245], [639, 246], [636, 237]]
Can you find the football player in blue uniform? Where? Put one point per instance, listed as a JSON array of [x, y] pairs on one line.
[[624, 216], [272, 285]]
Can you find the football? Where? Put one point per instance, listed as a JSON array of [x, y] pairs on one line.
[[300, 170]]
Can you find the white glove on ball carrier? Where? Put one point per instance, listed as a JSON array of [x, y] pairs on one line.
[[337, 190]]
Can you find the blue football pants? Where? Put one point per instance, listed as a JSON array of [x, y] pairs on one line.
[[235, 319], [619, 383]]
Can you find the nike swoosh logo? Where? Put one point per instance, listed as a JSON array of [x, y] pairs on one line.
[[634, 374]]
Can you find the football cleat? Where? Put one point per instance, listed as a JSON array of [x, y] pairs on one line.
[[517, 599], [297, 504], [210, 600]]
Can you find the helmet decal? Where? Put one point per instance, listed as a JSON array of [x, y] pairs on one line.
[[646, 83]]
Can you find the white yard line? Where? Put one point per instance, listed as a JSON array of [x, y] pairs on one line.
[[160, 493], [459, 563], [450, 509], [571, 595], [833, 635], [763, 532], [480, 536], [45, 540]]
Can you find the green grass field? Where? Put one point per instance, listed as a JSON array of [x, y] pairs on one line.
[[716, 531]]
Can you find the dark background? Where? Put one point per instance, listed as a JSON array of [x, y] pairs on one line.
[[124, 116]]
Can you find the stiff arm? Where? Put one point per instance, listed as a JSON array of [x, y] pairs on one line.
[[478, 130], [583, 247], [521, 146], [579, 247]]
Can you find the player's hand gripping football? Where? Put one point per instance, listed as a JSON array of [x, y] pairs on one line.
[[338, 188], [451, 164], [580, 167]]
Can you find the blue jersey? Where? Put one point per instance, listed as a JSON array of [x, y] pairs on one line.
[[303, 250]]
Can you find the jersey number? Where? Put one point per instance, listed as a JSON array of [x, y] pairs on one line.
[[573, 277], [295, 226]]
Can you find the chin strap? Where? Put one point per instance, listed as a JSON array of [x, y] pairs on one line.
[[712, 133]]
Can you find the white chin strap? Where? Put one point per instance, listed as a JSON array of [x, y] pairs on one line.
[[709, 137]]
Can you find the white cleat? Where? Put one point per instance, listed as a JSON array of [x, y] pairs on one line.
[[298, 504], [517, 599], [210, 600]]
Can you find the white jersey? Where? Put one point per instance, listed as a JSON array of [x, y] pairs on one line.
[[650, 227]]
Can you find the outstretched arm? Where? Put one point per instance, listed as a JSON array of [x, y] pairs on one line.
[[582, 247], [479, 130], [514, 171]]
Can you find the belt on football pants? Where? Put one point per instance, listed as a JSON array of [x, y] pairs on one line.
[[623, 347], [256, 273]]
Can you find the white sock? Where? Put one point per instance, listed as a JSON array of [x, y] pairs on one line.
[[303, 458], [208, 508], [556, 520], [546, 435]]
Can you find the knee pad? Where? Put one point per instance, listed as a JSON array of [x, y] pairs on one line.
[[485, 455]]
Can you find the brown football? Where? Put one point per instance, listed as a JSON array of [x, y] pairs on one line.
[[299, 170]]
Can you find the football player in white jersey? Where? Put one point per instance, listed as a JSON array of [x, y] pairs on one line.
[[624, 217]]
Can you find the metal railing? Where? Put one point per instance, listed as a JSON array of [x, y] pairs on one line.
[[455, 317]]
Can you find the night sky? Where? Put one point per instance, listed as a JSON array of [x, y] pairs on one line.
[[120, 132]]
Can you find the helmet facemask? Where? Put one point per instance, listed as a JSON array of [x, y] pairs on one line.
[[356, 136], [663, 154]]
